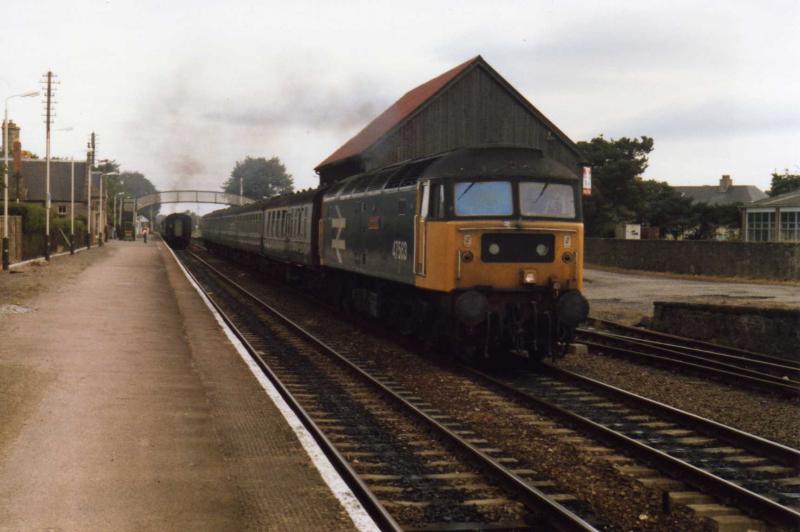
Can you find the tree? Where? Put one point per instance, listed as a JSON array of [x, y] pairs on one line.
[[616, 186], [106, 166], [133, 184], [665, 208], [783, 183], [706, 219], [262, 178]]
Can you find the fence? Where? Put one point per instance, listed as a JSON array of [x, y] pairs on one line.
[[767, 260]]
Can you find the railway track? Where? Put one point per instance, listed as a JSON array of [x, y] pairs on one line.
[[751, 473], [412, 467], [728, 365], [694, 461]]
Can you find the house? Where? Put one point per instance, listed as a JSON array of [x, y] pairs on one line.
[[774, 218], [726, 193], [468, 105], [63, 174]]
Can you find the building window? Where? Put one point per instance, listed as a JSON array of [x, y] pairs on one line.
[[62, 210], [790, 226], [760, 226]]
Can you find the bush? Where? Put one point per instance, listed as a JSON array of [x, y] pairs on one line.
[[33, 228], [33, 216]]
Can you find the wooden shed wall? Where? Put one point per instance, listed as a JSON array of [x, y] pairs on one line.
[[475, 110]]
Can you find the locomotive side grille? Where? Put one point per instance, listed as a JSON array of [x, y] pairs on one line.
[[516, 247]]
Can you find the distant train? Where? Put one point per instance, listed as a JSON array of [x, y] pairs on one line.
[[177, 230], [479, 247]]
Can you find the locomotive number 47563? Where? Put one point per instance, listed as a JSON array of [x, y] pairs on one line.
[[400, 250]]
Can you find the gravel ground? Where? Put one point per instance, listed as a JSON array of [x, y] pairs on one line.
[[628, 296], [22, 284], [614, 497], [738, 408]]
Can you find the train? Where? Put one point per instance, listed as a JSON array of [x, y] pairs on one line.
[[478, 250], [176, 230]]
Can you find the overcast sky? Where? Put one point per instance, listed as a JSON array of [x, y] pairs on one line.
[[181, 90]]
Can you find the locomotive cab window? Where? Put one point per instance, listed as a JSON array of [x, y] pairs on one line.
[[546, 199], [483, 198]]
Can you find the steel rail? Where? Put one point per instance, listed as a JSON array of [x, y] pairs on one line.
[[704, 355], [777, 452], [768, 383], [759, 505], [689, 357], [368, 500], [536, 500], [692, 342]]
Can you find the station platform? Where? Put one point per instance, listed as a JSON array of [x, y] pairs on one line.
[[123, 405]]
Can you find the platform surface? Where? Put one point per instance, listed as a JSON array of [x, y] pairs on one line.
[[123, 406]]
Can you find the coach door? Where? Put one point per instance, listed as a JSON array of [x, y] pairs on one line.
[[420, 227]]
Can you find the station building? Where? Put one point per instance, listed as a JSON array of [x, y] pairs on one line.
[[773, 219]]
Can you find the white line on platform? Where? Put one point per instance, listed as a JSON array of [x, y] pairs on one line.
[[337, 485]]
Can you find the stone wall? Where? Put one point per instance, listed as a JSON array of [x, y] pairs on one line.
[[14, 237], [767, 260], [772, 331]]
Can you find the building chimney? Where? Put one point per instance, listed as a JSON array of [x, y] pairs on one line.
[[13, 135], [725, 183]]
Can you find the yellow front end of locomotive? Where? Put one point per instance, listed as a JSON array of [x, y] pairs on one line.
[[459, 255]]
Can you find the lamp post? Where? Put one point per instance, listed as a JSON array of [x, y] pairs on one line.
[[114, 223], [102, 234], [72, 206], [89, 162], [6, 258], [71, 200], [120, 233]]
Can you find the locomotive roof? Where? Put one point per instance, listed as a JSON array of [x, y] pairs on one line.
[[479, 161], [490, 161]]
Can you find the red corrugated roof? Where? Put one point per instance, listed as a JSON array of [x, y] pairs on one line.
[[395, 114]]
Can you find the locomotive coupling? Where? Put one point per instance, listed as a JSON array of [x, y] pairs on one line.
[[471, 308], [572, 308]]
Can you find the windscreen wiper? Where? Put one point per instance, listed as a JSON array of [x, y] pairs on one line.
[[466, 190], [547, 184]]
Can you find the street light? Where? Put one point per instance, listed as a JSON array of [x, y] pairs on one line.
[[72, 203], [114, 223], [6, 258], [102, 235]]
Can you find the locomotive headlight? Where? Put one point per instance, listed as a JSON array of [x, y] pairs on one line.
[[494, 248], [542, 250], [528, 276]]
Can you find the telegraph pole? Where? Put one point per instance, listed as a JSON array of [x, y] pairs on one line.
[[48, 82]]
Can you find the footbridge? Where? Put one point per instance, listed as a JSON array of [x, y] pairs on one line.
[[190, 196]]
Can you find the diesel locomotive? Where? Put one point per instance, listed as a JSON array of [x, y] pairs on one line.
[[479, 249]]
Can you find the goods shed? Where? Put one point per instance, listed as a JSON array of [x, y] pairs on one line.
[[468, 105]]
